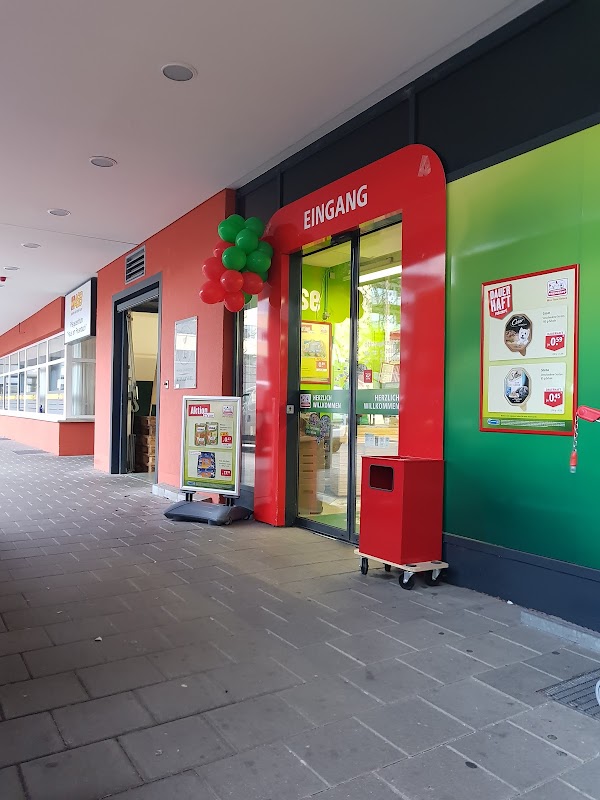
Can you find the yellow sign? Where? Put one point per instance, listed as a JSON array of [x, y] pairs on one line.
[[315, 353]]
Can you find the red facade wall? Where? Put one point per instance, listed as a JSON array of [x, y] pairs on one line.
[[58, 438], [177, 252], [46, 322]]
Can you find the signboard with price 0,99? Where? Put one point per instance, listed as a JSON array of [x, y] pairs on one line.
[[211, 445]]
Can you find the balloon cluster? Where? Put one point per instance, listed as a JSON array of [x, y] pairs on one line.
[[239, 265]]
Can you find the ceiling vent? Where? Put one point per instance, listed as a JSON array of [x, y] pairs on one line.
[[135, 265]]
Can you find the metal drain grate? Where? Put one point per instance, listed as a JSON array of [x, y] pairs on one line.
[[28, 452], [578, 693]]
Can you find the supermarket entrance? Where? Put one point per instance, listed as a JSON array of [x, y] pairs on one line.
[[344, 371], [136, 382]]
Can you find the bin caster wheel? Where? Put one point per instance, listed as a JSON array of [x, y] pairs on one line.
[[364, 565], [388, 567], [431, 579], [407, 584]]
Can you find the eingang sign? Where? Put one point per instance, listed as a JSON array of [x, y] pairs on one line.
[[80, 312]]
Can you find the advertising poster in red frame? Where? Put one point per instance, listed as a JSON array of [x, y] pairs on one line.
[[529, 330]]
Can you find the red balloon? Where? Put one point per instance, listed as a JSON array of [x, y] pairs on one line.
[[232, 280], [213, 269], [219, 247], [212, 292], [234, 301], [253, 283]]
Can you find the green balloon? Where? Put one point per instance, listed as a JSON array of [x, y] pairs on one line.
[[258, 261], [236, 221], [255, 225], [247, 297], [227, 231], [247, 240], [265, 247], [234, 258]]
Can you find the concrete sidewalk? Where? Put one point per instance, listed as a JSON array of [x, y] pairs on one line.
[[149, 660]]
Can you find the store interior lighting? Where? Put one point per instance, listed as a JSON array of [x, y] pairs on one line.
[[378, 274]]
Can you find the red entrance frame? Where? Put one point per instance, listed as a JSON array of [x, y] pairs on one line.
[[410, 181]]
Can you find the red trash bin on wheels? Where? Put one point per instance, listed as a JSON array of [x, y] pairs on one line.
[[401, 516]]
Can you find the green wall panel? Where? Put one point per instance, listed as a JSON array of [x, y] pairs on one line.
[[538, 211]]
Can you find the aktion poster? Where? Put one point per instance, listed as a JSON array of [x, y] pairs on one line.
[[211, 444], [529, 352]]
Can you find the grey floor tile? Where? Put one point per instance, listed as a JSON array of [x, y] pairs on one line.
[[182, 697], [444, 663], [422, 634], [86, 773], [119, 676], [253, 678], [358, 620], [371, 646], [502, 746], [264, 773], [564, 664], [174, 747], [63, 658], [187, 786], [316, 661], [20, 641], [28, 737], [497, 610], [250, 646], [10, 785], [474, 703], [467, 624], [442, 773], [258, 721], [493, 650], [564, 728], [188, 660], [366, 787], [343, 750], [89, 629], [520, 681], [538, 641], [12, 669], [328, 699], [40, 694], [413, 725], [390, 680], [554, 790], [347, 600], [101, 719], [585, 778]]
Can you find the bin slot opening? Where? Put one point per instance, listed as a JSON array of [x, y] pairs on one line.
[[381, 477]]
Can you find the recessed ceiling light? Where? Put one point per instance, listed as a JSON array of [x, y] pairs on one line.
[[59, 212], [179, 72], [31, 245], [11, 269], [102, 161]]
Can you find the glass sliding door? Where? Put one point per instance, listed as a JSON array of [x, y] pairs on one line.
[[378, 347], [325, 349], [349, 372]]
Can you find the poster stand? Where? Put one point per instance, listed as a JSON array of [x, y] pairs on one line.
[[210, 460]]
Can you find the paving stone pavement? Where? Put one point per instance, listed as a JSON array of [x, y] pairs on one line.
[[143, 659]]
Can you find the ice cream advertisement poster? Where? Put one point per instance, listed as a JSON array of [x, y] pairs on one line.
[[529, 328], [211, 444]]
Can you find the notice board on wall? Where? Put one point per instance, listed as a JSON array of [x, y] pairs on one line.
[[211, 451], [529, 329]]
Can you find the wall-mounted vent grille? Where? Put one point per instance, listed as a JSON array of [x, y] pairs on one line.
[[135, 265]]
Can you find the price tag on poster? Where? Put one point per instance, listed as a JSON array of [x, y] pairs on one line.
[[211, 445], [529, 352]]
